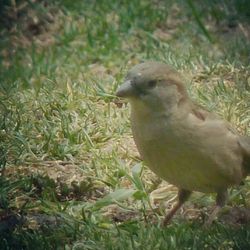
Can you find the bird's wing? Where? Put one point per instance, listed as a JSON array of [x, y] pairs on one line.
[[244, 142], [202, 114]]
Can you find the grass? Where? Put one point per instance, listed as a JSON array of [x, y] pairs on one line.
[[70, 174]]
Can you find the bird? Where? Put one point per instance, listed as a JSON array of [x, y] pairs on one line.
[[180, 141]]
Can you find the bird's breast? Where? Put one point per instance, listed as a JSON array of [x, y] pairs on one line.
[[178, 157]]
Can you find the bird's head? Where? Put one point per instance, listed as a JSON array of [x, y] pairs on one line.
[[154, 85]]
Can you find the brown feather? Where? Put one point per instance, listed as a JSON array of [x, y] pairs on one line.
[[244, 143]]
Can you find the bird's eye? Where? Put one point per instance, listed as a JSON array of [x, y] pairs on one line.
[[152, 83]]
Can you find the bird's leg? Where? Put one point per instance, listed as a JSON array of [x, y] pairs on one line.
[[220, 202], [183, 195]]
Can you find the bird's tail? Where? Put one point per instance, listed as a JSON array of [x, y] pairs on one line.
[[244, 142]]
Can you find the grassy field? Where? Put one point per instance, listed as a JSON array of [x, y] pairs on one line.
[[71, 177]]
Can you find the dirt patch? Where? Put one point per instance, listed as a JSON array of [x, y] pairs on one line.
[[236, 216], [65, 179], [25, 23]]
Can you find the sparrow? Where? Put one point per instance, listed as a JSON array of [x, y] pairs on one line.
[[181, 142]]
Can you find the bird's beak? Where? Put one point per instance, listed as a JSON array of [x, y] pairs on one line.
[[125, 90]]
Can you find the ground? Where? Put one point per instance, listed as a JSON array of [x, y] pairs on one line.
[[71, 176]]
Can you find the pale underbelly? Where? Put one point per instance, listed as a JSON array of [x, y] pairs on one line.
[[188, 169], [188, 156]]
